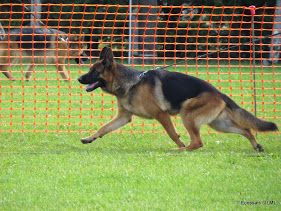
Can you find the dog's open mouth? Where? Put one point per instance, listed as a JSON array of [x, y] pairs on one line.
[[93, 86]]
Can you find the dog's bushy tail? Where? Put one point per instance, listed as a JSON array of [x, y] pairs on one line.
[[247, 120]]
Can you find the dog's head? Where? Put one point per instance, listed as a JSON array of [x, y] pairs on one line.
[[101, 74]]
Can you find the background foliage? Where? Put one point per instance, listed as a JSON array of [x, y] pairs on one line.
[[263, 24], [163, 2]]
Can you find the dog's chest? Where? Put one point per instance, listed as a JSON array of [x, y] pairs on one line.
[[136, 107], [146, 101]]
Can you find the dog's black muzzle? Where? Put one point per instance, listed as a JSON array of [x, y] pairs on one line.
[[92, 83], [82, 80]]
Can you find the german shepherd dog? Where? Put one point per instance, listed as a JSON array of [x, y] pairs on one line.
[[38, 45], [158, 94]]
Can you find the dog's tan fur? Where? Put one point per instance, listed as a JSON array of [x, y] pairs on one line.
[[59, 50]]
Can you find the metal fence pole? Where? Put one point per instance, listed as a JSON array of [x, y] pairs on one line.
[[275, 47], [36, 11], [253, 12], [143, 32], [130, 32]]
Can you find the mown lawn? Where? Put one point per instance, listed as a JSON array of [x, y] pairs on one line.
[[45, 167]]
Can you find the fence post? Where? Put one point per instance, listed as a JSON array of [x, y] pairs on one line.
[[253, 12], [275, 46], [2, 32], [130, 31], [143, 32], [36, 11]]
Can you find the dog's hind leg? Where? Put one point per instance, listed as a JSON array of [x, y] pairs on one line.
[[28, 73], [166, 122], [194, 133], [198, 111], [7, 57], [6, 72], [62, 72], [223, 123], [248, 134]]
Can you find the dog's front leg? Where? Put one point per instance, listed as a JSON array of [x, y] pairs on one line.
[[28, 73], [165, 120], [63, 72], [122, 119]]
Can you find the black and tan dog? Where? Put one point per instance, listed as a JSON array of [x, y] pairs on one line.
[[38, 46], [158, 94]]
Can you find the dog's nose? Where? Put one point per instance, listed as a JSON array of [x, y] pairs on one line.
[[79, 79]]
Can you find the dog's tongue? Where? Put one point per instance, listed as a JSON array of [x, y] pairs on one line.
[[91, 87]]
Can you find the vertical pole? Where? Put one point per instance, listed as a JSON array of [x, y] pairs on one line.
[[253, 12], [130, 32], [36, 12], [148, 24], [143, 32], [2, 32], [275, 47]]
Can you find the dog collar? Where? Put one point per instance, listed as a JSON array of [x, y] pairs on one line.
[[140, 76]]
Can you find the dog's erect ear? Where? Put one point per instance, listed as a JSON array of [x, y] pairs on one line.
[[106, 56], [103, 52]]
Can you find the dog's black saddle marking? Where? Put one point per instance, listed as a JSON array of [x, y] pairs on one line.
[[178, 87]]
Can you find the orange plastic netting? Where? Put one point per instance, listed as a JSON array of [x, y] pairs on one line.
[[227, 46]]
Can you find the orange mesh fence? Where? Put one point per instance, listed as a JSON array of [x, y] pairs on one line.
[[212, 43]]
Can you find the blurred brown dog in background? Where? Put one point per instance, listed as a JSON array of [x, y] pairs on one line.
[[38, 46]]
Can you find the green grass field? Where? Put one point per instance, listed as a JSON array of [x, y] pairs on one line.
[[45, 167]]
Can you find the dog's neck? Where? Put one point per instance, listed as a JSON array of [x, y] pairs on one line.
[[128, 78]]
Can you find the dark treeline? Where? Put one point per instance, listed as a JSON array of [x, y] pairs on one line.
[[235, 24]]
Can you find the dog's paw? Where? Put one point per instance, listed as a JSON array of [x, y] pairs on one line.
[[66, 79], [259, 148], [194, 146], [87, 140]]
